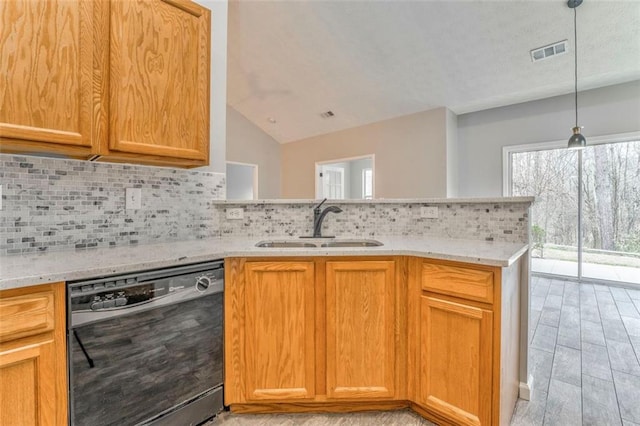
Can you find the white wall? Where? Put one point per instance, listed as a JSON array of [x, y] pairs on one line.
[[410, 156], [218, 97], [481, 135], [247, 143]]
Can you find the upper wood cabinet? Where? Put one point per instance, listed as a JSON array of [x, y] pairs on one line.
[[47, 92], [33, 374], [360, 315], [159, 79], [110, 80]]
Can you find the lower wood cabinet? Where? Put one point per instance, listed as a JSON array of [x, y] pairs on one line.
[[33, 374], [360, 312], [345, 334], [310, 330], [279, 338], [456, 346]]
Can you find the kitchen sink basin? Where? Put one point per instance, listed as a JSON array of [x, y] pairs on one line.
[[324, 244], [285, 244], [352, 243]]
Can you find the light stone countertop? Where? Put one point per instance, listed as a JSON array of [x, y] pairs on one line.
[[32, 269]]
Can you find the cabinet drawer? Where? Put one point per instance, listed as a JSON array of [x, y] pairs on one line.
[[467, 283], [26, 315]]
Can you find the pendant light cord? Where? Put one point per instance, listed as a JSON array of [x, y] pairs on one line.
[[575, 67]]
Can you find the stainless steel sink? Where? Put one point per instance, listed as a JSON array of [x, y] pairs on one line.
[[316, 244], [352, 243], [285, 244]]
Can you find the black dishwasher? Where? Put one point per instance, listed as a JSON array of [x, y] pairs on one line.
[[147, 348]]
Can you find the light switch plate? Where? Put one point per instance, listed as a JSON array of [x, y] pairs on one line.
[[429, 212], [133, 199], [235, 213]]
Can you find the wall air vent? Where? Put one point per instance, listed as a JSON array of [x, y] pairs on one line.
[[327, 114], [548, 51]]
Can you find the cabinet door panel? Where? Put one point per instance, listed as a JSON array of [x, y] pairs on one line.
[[280, 330], [26, 385], [26, 315], [33, 374], [456, 360], [159, 78], [360, 329], [46, 54]]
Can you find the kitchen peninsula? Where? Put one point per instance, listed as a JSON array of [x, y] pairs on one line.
[[467, 271]]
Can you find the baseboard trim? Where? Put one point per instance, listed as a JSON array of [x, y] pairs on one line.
[[318, 407], [525, 390]]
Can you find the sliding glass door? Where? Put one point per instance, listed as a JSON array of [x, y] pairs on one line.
[[611, 212], [552, 177], [604, 204]]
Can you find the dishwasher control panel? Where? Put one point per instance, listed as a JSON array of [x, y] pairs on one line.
[[127, 291]]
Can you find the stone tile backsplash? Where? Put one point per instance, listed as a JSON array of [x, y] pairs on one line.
[[58, 204], [504, 221]]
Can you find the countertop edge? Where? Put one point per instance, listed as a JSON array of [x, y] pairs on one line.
[[461, 200], [83, 271]]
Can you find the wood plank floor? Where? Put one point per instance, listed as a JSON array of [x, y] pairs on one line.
[[584, 356]]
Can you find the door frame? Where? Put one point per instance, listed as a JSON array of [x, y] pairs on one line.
[[318, 164]]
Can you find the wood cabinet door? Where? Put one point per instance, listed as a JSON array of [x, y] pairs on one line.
[[279, 338], [455, 360], [27, 378], [360, 313], [47, 81], [33, 373], [159, 78]]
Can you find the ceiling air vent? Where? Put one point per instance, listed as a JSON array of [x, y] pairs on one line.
[[548, 51], [327, 114]]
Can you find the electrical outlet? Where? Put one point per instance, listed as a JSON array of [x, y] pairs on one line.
[[235, 214], [429, 212], [133, 199]]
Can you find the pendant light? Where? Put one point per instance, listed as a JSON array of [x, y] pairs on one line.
[[576, 141]]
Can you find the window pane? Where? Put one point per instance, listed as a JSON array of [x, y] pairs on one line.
[[552, 177], [611, 206], [367, 183]]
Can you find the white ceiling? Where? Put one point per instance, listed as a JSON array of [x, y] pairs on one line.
[[372, 60]]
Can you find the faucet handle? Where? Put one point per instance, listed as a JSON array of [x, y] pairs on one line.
[[321, 203]]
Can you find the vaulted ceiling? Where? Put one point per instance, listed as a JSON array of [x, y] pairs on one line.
[[366, 61]]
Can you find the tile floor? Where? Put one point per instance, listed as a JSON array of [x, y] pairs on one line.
[[369, 418], [584, 356]]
